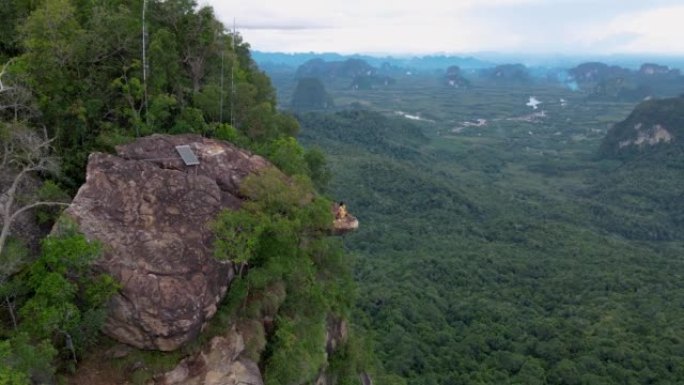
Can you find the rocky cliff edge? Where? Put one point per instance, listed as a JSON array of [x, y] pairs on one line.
[[152, 213]]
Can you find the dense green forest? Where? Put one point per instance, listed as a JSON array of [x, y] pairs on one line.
[[78, 77], [513, 252], [498, 244], [77, 69]]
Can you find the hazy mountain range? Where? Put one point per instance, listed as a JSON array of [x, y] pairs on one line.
[[270, 60]]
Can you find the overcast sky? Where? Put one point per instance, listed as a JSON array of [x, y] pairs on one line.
[[458, 26]]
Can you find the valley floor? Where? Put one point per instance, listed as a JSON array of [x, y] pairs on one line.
[[508, 252]]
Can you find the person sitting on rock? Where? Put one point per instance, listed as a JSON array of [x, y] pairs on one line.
[[341, 211]]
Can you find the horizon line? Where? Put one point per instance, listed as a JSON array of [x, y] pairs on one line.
[[473, 53]]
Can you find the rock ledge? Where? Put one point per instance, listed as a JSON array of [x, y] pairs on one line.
[[152, 214]]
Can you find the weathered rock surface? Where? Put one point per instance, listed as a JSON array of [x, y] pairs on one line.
[[655, 127], [651, 136], [219, 364], [227, 359], [336, 334], [345, 225], [152, 213]]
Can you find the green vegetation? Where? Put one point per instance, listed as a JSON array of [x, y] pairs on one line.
[[297, 276], [617, 83], [83, 77], [61, 304], [646, 117], [508, 253], [310, 95], [75, 70]]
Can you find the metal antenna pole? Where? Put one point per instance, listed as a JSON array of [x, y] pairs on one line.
[[223, 54], [144, 62], [232, 79]]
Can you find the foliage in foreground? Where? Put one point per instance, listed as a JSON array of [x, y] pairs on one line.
[[75, 69], [297, 275], [61, 304]]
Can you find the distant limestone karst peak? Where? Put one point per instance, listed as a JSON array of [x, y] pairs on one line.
[[654, 125]]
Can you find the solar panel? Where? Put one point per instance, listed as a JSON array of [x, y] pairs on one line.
[[188, 156]]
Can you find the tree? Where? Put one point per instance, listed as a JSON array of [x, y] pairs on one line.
[[67, 305], [197, 32], [14, 97], [23, 362], [24, 152], [4, 88], [54, 48], [240, 231], [318, 169]]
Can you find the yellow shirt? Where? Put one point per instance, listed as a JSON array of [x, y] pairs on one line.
[[342, 212]]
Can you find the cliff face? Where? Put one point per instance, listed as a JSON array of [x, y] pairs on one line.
[[152, 214], [653, 126], [153, 209], [221, 363]]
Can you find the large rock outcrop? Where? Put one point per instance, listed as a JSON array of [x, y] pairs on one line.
[[225, 361], [654, 128], [152, 213], [220, 363]]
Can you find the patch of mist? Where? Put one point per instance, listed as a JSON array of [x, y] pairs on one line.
[[564, 78], [413, 117], [534, 102]]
